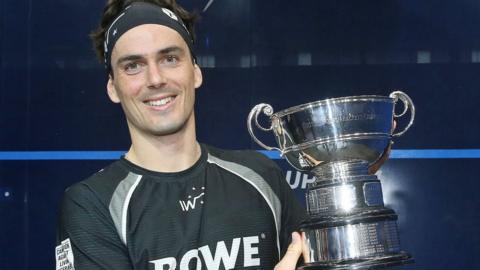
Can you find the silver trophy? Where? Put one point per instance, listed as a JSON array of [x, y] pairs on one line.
[[337, 140]]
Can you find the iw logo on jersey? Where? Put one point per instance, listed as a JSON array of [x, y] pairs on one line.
[[193, 199], [220, 255]]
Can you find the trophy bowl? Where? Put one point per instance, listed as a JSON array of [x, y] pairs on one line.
[[337, 129]]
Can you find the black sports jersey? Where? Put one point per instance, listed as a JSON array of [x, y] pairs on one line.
[[230, 210]]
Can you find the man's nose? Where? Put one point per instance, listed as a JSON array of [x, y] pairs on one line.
[[156, 77]]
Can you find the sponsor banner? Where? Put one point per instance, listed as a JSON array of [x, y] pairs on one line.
[[297, 180], [64, 256], [221, 255]]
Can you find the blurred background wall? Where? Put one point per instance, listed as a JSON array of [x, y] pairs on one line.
[[57, 125]]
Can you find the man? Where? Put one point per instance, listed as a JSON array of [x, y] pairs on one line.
[[170, 202]]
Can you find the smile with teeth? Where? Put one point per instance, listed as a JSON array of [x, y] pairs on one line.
[[160, 102]]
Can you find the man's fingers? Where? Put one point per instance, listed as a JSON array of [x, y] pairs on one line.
[[289, 261]]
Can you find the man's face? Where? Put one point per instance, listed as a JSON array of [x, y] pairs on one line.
[[154, 80]]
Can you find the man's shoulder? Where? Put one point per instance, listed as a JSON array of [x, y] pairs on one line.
[[246, 159], [99, 185]]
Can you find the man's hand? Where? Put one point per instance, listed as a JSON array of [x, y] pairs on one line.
[[295, 249]]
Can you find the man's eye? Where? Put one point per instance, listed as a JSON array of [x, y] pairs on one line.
[[171, 59], [132, 68]]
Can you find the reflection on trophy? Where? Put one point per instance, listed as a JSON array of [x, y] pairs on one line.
[[337, 140]]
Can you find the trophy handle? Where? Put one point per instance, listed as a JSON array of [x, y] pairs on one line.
[[407, 104], [253, 115]]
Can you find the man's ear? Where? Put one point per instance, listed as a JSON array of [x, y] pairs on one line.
[[112, 91], [198, 78]]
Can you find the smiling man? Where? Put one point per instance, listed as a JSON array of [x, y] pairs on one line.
[[171, 202]]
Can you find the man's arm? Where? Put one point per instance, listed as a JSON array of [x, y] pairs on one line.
[[293, 214], [86, 236]]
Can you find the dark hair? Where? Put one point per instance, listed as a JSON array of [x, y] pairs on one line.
[[114, 7]]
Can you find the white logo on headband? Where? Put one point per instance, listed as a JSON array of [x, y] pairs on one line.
[[170, 14]]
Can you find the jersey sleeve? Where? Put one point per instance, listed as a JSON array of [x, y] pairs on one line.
[[293, 212], [86, 236]]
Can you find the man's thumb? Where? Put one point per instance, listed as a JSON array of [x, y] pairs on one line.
[[289, 261]]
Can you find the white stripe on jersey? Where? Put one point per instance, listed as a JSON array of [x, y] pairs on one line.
[[266, 192]]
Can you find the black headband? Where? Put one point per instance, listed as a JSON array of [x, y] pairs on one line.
[[139, 13]]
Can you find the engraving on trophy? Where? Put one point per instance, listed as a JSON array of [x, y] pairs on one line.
[[337, 140], [341, 116], [330, 199]]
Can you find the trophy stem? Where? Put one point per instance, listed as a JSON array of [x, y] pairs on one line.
[[340, 170]]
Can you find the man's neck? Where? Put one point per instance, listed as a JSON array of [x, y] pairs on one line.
[[171, 153]]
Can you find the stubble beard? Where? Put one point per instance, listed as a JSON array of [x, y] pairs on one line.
[[161, 130]]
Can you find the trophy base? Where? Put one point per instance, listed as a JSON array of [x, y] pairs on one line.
[[366, 240], [349, 226], [400, 258]]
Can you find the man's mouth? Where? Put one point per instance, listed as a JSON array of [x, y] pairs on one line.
[[160, 102]]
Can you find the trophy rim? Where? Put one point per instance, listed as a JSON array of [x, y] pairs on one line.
[[337, 100]]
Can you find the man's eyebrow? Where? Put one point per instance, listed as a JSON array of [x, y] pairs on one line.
[[171, 49], [135, 57], [127, 58]]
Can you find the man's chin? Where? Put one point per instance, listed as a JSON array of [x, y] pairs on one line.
[[163, 128], [166, 130]]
